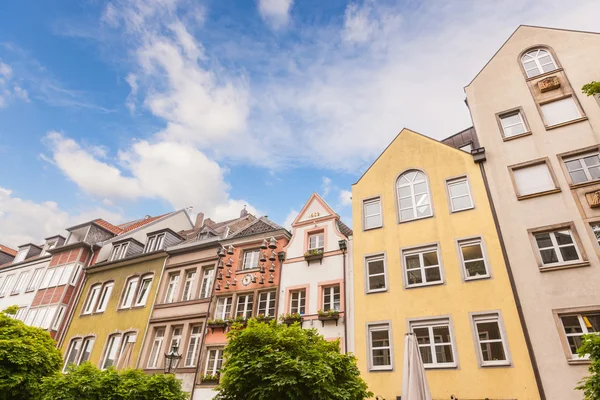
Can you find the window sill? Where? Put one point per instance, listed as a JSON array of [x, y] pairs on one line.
[[375, 291], [565, 266], [387, 369], [543, 75], [14, 294], [477, 278], [578, 361], [372, 228], [420, 285], [539, 194], [585, 184], [520, 135], [573, 121], [497, 364], [247, 271], [453, 366], [462, 209]]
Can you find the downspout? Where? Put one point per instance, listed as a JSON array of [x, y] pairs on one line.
[[536, 372], [137, 363], [345, 306]]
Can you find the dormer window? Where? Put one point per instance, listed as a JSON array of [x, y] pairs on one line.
[[21, 255], [155, 243], [538, 61], [119, 251]]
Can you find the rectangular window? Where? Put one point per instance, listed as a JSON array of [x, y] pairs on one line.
[[473, 259], [159, 336], [298, 301], [316, 241], [40, 316], [251, 259], [104, 297], [535, 178], [66, 274], [47, 321], [435, 342], [171, 288], [380, 347], [91, 299], [21, 314], [129, 293], [72, 353], [20, 282], [584, 168], [490, 339], [6, 285], [223, 309], [422, 267], [35, 280], [112, 351], [188, 286], [596, 230], [266, 303], [47, 278], [20, 256], [331, 298], [126, 351], [31, 314], [75, 276], [58, 271], [176, 338], [155, 243], [86, 349], [214, 360], [577, 325], [557, 247], [58, 319], [193, 346], [512, 124], [119, 251], [376, 273], [372, 213], [207, 279], [560, 111], [460, 194], [244, 305], [143, 291]]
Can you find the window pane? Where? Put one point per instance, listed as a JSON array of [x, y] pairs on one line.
[[426, 354], [475, 268], [571, 324], [444, 354], [472, 251], [563, 237], [592, 322], [458, 189], [414, 277], [578, 176], [430, 258], [460, 203], [380, 338], [381, 357], [407, 215], [574, 343], [372, 221], [493, 351], [413, 262], [569, 253], [543, 240], [376, 267], [406, 202], [560, 111], [372, 208], [490, 330], [404, 191], [549, 256], [376, 282], [433, 274], [533, 179]]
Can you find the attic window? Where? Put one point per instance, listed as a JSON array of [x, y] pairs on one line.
[[119, 251], [20, 255], [538, 61], [155, 243]]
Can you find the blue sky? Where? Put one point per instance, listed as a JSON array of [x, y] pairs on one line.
[[118, 109]]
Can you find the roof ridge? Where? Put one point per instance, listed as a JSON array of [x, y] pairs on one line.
[[8, 250]]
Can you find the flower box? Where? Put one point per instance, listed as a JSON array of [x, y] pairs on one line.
[[217, 324], [311, 255], [329, 316]]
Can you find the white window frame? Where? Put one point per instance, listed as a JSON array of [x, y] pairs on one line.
[[58, 271], [171, 290], [223, 307], [251, 257], [456, 182], [484, 317], [584, 167], [66, 275], [470, 242], [319, 241], [20, 256], [155, 243], [431, 323], [87, 341], [58, 319], [332, 304], [104, 296], [20, 282], [556, 247], [188, 285], [536, 59], [379, 214], [47, 278], [74, 346], [119, 251], [143, 292], [420, 251], [267, 298], [35, 280], [216, 355], [582, 325], [4, 289], [193, 347], [374, 258], [130, 292], [413, 196], [113, 346], [504, 126], [176, 336], [298, 296], [546, 115], [156, 348], [378, 327], [76, 274], [92, 298], [247, 305], [207, 281]]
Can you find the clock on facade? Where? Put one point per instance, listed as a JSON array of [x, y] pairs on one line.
[[246, 280]]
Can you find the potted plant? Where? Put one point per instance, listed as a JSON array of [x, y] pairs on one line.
[[329, 315], [289, 319], [238, 320], [208, 378], [263, 318], [314, 254]]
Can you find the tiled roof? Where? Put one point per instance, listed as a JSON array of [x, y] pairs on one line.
[[344, 229], [8, 250], [218, 228], [129, 226], [260, 225], [108, 226]]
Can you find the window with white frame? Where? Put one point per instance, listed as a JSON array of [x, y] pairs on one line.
[[298, 301], [460, 194], [47, 278], [157, 343], [58, 319], [171, 288], [223, 308], [491, 341], [66, 275], [188, 285], [512, 123], [422, 267], [557, 247], [79, 351], [154, 243], [413, 196], [316, 241], [380, 347], [372, 213], [584, 168], [207, 281], [129, 293], [20, 282], [40, 316], [244, 305], [104, 297], [92, 298], [331, 298], [435, 342], [72, 353], [534, 178], [48, 317], [58, 271], [266, 303], [376, 273], [143, 291], [176, 337], [193, 346], [119, 251], [21, 314], [76, 274], [560, 111], [31, 314], [538, 61], [251, 259], [20, 255], [577, 325], [111, 353], [86, 349], [596, 229], [214, 361], [473, 259], [35, 280], [6, 284]]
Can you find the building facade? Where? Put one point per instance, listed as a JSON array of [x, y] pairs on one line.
[[541, 137], [428, 260], [313, 280]]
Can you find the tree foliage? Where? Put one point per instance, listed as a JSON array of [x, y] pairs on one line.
[[27, 354], [591, 88], [270, 361], [591, 384], [86, 382]]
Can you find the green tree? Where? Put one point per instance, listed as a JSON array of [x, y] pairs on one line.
[[27, 354], [86, 382], [591, 88], [270, 361], [591, 384]]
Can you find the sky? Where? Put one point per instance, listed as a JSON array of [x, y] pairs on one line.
[[126, 108]]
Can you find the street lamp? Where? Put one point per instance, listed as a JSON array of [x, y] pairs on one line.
[[343, 245], [172, 360]]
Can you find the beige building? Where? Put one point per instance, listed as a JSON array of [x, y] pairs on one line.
[[541, 137]]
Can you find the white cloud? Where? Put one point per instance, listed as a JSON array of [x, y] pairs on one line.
[[325, 186], [5, 70], [275, 12], [8, 91], [289, 219], [345, 198]]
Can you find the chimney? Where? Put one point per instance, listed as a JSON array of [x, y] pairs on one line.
[[244, 212], [199, 220]]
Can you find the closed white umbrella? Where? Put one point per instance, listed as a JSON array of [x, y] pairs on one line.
[[414, 381]]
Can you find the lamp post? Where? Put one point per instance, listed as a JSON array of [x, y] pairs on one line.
[[172, 360]]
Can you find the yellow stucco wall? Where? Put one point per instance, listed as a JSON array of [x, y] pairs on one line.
[[454, 298], [114, 320]]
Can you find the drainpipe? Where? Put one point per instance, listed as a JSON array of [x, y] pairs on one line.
[[345, 306]]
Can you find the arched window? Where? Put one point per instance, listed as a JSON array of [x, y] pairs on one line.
[[413, 196], [538, 61]]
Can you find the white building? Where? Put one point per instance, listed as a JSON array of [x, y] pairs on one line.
[[312, 279]]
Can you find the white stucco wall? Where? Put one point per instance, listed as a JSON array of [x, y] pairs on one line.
[[23, 299], [203, 394]]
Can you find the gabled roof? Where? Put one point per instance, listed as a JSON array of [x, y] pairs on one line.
[[314, 197], [131, 225], [260, 225], [217, 228], [108, 226], [344, 229], [8, 250]]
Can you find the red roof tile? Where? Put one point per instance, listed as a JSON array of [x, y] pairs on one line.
[[129, 226], [108, 226], [8, 250]]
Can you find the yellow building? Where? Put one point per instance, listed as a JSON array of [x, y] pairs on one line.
[[428, 260]]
